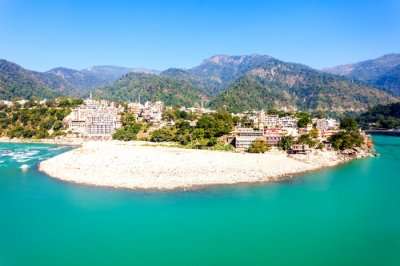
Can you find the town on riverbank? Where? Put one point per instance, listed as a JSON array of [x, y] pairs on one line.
[[152, 146], [256, 131]]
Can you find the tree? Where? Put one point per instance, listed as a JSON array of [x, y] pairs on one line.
[[163, 134], [306, 139], [314, 133], [346, 140], [258, 146], [348, 123], [285, 143], [58, 125], [127, 133], [304, 119]]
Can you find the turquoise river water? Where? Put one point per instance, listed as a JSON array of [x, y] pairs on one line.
[[348, 215]]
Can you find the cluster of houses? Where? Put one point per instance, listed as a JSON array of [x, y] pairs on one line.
[[149, 112], [19, 102], [99, 120], [271, 129]]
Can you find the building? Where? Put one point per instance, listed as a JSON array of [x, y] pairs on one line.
[[94, 119], [288, 122], [244, 137], [135, 108], [324, 124], [263, 120], [273, 136], [299, 149], [152, 112]]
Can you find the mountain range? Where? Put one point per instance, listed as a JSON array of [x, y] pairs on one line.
[[16, 81], [382, 72], [253, 82], [237, 82]]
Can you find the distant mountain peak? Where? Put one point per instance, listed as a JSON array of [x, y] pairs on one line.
[[382, 71], [232, 59]]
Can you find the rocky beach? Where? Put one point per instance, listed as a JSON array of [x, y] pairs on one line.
[[135, 165]]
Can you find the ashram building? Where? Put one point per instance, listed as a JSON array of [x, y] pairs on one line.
[[274, 121], [149, 112], [244, 137], [272, 128], [94, 120]]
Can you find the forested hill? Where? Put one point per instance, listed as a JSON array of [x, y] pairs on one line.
[[383, 72], [218, 72], [16, 81], [150, 87], [279, 84], [238, 82], [381, 117]]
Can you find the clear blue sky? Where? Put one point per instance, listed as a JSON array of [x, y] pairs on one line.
[[43, 34]]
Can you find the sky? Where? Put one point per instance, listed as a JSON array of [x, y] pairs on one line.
[[43, 34]]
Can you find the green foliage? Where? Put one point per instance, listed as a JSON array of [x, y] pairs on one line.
[[66, 102], [286, 143], [304, 119], [348, 123], [34, 120], [221, 146], [314, 133], [347, 139], [245, 121], [173, 114], [126, 133], [258, 146], [163, 135], [17, 82], [150, 87], [381, 116], [129, 130], [306, 139], [216, 124], [294, 85], [205, 134]]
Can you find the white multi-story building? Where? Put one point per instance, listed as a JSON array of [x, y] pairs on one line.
[[94, 119], [244, 137], [274, 121], [327, 124]]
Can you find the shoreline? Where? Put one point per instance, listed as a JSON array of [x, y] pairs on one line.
[[59, 141], [137, 166]]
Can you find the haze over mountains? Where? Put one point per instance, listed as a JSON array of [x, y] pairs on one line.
[[237, 82], [383, 72]]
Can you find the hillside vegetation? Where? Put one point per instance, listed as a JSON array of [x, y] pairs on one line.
[[151, 87], [381, 117]]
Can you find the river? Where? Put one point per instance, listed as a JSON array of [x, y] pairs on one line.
[[348, 215]]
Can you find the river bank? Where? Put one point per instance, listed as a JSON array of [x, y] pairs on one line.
[[136, 165], [55, 141]]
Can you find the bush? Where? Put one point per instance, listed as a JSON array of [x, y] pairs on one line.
[[306, 139], [127, 133], [258, 146], [346, 140], [285, 143], [348, 123], [304, 119], [163, 134]]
